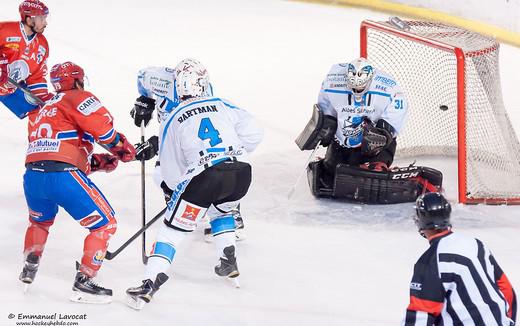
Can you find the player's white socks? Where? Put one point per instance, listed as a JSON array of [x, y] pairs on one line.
[[163, 251], [224, 240]]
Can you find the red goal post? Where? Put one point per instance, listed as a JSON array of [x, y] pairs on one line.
[[451, 78]]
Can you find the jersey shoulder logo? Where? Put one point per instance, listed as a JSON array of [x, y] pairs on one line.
[[89, 106], [10, 39]]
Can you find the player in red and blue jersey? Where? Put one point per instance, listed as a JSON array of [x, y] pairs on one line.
[[59, 157], [23, 57]]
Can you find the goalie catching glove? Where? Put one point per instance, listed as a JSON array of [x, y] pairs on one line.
[[376, 138]]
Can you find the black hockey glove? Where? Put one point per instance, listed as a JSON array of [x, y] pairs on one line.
[[376, 138], [142, 111], [167, 192], [148, 149]]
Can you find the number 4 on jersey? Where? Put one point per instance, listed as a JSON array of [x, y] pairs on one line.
[[207, 131]]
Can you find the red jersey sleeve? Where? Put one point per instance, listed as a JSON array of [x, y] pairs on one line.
[[92, 117]]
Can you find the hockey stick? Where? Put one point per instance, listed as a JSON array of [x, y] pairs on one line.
[[293, 188], [143, 200], [27, 92], [111, 255]]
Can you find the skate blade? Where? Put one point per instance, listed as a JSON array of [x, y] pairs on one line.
[[25, 287], [82, 297], [134, 303], [235, 281]]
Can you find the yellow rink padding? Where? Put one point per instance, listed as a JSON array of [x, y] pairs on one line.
[[499, 33]]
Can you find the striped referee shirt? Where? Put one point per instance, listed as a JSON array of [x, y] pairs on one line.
[[457, 281]]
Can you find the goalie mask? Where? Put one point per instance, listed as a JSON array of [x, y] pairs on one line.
[[359, 75], [191, 79], [432, 212]]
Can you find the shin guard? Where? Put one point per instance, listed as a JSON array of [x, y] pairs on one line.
[[36, 237], [95, 248]]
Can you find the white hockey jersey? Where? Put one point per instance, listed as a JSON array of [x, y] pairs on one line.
[[382, 100], [203, 132]]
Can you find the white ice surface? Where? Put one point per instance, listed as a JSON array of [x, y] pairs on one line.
[[306, 261]]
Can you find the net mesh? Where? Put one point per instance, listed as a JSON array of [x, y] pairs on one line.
[[428, 76]]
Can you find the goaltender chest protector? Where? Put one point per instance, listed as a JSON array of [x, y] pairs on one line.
[[353, 112], [382, 100]]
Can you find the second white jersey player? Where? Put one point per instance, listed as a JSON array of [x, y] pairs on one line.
[[204, 143]]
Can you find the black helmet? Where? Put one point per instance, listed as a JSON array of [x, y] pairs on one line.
[[433, 212]]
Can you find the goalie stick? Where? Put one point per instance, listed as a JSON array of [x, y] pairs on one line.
[[111, 255], [293, 188]]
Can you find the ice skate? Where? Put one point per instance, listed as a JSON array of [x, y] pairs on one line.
[[31, 264], [138, 296], [85, 290], [228, 266]]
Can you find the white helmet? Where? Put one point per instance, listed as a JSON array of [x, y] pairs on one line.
[[191, 79], [359, 75]]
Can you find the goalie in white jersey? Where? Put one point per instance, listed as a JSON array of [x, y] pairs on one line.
[[204, 143], [360, 96], [360, 113]]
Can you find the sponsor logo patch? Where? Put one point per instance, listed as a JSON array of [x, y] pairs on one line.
[[98, 257], [13, 46], [34, 214], [187, 214], [416, 286], [387, 81], [13, 39], [90, 220], [44, 145], [89, 106], [190, 212]]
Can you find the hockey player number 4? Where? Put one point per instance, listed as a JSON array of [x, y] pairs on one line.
[[208, 131]]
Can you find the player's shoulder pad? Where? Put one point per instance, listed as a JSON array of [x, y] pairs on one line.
[[156, 70], [84, 102], [229, 104], [10, 28], [337, 76], [383, 82], [43, 42]]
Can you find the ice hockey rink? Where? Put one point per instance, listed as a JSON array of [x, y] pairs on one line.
[[305, 261]]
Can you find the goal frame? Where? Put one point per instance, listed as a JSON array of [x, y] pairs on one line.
[[461, 101]]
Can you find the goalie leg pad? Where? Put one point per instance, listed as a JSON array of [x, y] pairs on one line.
[[317, 181], [371, 187]]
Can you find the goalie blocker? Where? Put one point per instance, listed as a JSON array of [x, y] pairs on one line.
[[320, 127], [398, 185]]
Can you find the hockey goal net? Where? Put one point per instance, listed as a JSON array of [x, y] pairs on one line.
[[451, 79]]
